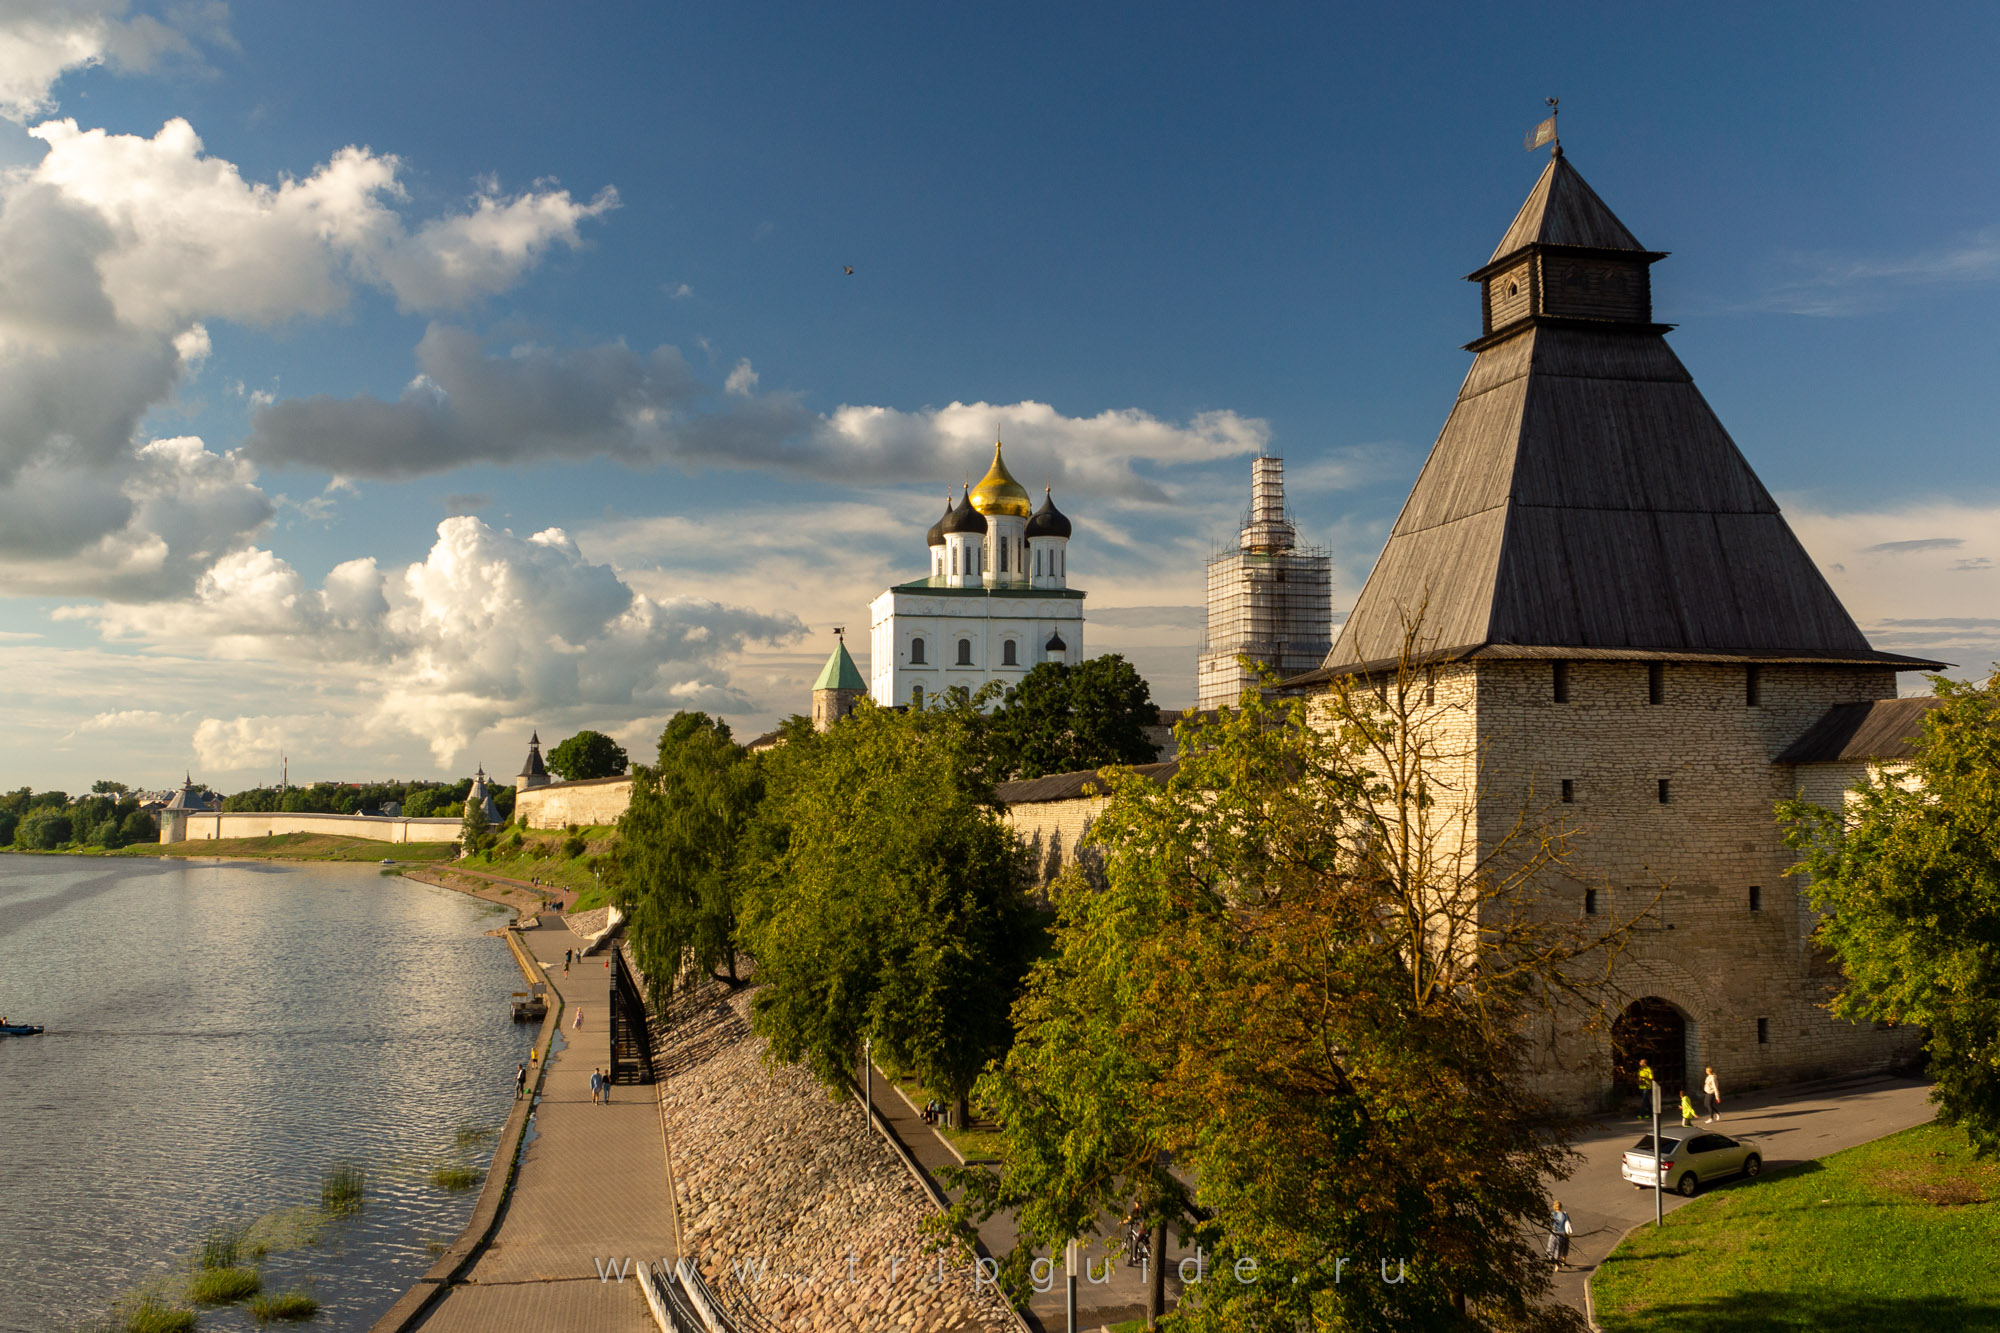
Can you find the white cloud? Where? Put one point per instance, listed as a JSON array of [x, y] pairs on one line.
[[1832, 285], [116, 254], [488, 627], [122, 719], [41, 40], [470, 405]]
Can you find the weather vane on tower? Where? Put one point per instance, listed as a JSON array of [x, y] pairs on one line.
[[1545, 132]]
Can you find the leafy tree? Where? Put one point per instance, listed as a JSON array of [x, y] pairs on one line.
[[1063, 719], [678, 868], [897, 911], [8, 821], [476, 835], [106, 787], [586, 755], [1908, 877], [43, 829], [1292, 1023], [138, 826]]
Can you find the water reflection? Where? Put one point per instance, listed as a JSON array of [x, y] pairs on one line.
[[218, 1035]]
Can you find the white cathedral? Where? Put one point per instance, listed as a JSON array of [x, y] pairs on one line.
[[997, 602]]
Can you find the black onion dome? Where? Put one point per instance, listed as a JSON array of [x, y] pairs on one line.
[[935, 537], [1048, 521], [1055, 644], [963, 517]]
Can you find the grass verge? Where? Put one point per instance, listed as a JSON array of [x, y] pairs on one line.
[[1900, 1233], [541, 855], [150, 1314], [295, 847], [221, 1286]]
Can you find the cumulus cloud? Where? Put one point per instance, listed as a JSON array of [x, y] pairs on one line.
[[106, 297], [489, 626], [41, 40], [469, 404]]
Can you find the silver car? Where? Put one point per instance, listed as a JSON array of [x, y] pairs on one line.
[[1689, 1159]]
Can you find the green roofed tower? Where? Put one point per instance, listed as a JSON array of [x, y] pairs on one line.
[[839, 686]]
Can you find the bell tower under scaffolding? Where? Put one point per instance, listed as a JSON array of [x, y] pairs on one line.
[[1269, 599]]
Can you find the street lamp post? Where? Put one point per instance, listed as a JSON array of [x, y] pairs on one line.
[[868, 1078], [1069, 1258], [1659, 1185]]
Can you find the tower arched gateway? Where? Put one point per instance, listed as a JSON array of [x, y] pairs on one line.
[[1614, 615], [1653, 1030]]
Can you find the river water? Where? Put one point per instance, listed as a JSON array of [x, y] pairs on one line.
[[219, 1035]]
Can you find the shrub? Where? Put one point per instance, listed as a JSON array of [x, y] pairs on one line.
[[572, 846], [222, 1247], [456, 1177], [221, 1286], [105, 835], [139, 827]]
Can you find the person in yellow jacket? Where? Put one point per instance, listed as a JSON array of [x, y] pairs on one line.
[[1687, 1110]]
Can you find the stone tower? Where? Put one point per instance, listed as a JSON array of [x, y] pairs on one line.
[[838, 688], [1269, 599], [1619, 631], [534, 773]]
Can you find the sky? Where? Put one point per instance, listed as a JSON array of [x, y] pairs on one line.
[[381, 383]]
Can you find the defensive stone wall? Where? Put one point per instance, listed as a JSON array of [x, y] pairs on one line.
[[560, 804], [1675, 799], [1053, 832], [207, 825]]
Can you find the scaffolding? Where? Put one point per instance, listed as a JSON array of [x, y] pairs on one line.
[[1269, 599]]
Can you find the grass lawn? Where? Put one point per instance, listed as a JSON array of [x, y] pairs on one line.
[[540, 856], [1900, 1234], [295, 847]]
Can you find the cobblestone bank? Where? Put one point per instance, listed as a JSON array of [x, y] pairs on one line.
[[769, 1173]]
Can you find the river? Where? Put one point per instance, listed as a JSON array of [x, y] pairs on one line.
[[219, 1035]]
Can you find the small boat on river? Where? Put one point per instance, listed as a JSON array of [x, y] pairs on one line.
[[20, 1029]]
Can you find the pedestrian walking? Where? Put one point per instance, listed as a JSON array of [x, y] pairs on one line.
[[1560, 1230], [605, 1087], [579, 1016], [1711, 1092], [1687, 1109], [596, 1083], [1645, 1089], [520, 1080]]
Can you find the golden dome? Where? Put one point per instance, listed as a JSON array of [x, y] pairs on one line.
[[998, 492]]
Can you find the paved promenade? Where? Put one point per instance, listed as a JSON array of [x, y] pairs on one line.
[[1788, 1125], [593, 1186]]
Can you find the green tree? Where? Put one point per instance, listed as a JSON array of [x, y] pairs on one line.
[[43, 829], [898, 910], [138, 826], [106, 787], [1292, 1023], [1908, 880], [1063, 719], [476, 833], [586, 755], [678, 859]]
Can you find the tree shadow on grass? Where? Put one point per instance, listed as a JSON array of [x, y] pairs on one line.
[[1796, 1312]]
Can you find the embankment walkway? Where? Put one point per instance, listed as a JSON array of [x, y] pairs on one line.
[[593, 1186]]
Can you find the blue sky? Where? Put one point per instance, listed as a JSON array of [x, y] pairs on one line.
[[577, 272]]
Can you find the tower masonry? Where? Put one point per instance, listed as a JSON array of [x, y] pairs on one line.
[[1269, 599], [1618, 633]]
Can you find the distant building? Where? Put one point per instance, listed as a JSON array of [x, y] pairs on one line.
[[480, 798], [1617, 628], [837, 690], [533, 772], [1269, 599], [996, 603]]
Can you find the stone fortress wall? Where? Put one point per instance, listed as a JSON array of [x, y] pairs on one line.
[[560, 804], [206, 825], [1729, 942]]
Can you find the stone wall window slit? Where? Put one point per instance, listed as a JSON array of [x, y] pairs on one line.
[[1656, 684], [1559, 681]]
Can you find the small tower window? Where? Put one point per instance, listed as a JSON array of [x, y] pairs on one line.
[[1656, 684], [1038, 564], [1763, 1032], [917, 697], [1752, 693], [1569, 791], [1664, 795], [965, 652], [1756, 898], [1590, 902], [1007, 654], [917, 652], [1560, 682], [1003, 556]]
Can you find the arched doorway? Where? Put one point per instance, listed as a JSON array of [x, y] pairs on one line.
[[1653, 1030]]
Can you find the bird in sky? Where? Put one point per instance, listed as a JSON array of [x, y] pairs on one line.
[[849, 268]]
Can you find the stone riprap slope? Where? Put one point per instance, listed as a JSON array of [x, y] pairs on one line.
[[771, 1175]]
